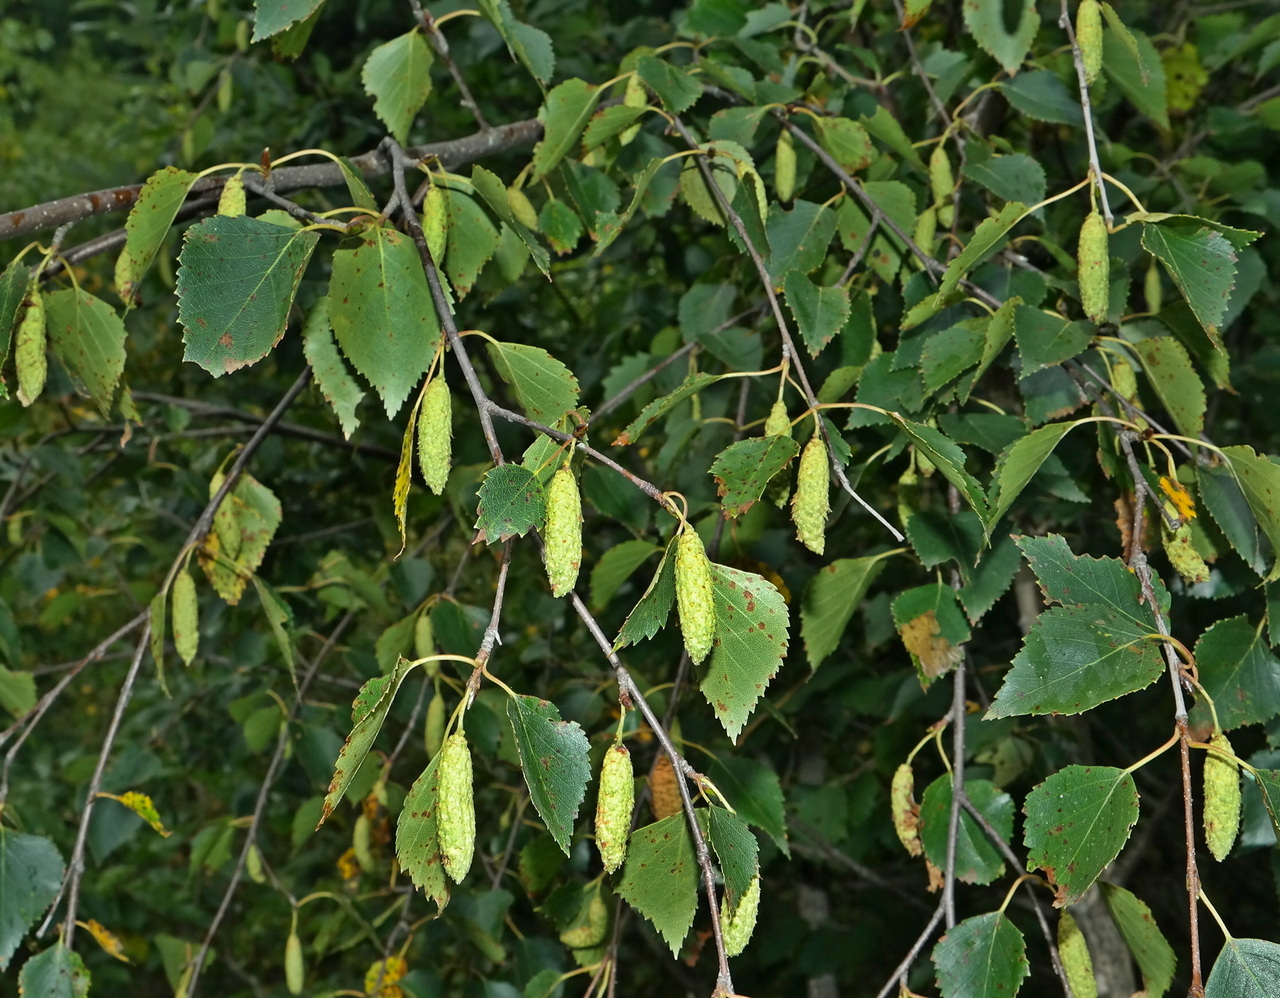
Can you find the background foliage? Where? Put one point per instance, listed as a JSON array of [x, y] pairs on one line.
[[669, 218]]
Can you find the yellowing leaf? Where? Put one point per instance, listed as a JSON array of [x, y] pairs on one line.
[[105, 938], [923, 638], [1179, 496], [140, 804]]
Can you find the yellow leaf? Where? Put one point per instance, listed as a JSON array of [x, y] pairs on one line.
[[105, 938], [923, 638], [140, 804], [1179, 496], [383, 975]]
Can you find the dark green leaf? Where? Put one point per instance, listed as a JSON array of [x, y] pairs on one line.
[[952, 351], [650, 615], [280, 620], [736, 850], [983, 243], [56, 973], [1015, 177], [332, 377], [1259, 479], [1019, 462], [530, 45], [30, 876], [996, 31], [743, 469], [490, 187], [1155, 956], [819, 312], [1246, 968], [1268, 781], [675, 88], [237, 277], [1077, 822], [511, 503], [553, 755], [660, 878], [1227, 505], [1047, 338], [13, 289], [947, 457], [750, 642], [798, 239], [989, 580], [753, 791], [830, 599], [977, 859], [472, 241], [1142, 80], [1041, 95], [1094, 647], [982, 957], [1239, 672], [659, 407], [1202, 264], [615, 566]]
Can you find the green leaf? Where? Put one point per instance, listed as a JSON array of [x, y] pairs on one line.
[[186, 616], [1077, 822], [736, 850], [397, 75], [939, 537], [237, 277], [819, 312], [947, 457], [332, 377], [279, 619], [650, 614], [847, 141], [395, 643], [1019, 462], [1268, 781], [675, 88], [886, 129], [753, 790], [1168, 366], [982, 244], [490, 187], [799, 238], [660, 878], [368, 711], [561, 225], [750, 642], [291, 42], [512, 503], [982, 957], [1259, 479], [1238, 670], [544, 388], [530, 45], [382, 314], [1047, 338], [1141, 80], [744, 468], [246, 522], [990, 578], [949, 353], [1094, 647], [418, 837], [1040, 94], [148, 223], [1015, 177], [615, 566], [13, 289], [659, 407], [564, 115], [1226, 503], [1202, 264], [17, 691], [609, 230], [273, 16], [830, 599], [56, 973], [87, 336], [1246, 968], [1155, 956], [977, 859], [611, 121], [30, 877], [472, 241], [988, 24], [553, 755]]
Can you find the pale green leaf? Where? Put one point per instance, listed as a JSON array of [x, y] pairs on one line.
[[87, 336], [750, 642], [554, 758], [368, 712], [490, 187], [564, 115], [830, 600], [1141, 80], [1154, 955], [1005, 39], [544, 387], [1168, 366], [17, 691], [675, 87], [148, 223], [274, 16], [333, 379], [186, 619], [473, 240], [1047, 338], [1202, 264], [237, 277], [55, 973], [1077, 822], [660, 878], [799, 238], [397, 75], [615, 566], [820, 312], [989, 234], [382, 314], [279, 619], [418, 837], [530, 45], [847, 141]]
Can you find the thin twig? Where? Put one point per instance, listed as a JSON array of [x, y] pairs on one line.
[[958, 794], [1064, 22], [900, 971], [441, 46]]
